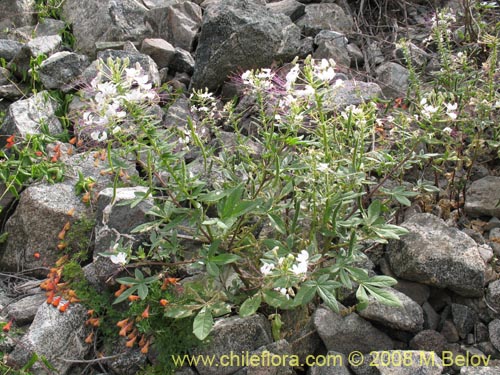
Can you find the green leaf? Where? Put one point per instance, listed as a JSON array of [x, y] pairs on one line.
[[276, 327], [374, 211], [381, 281], [138, 274], [142, 291], [250, 306], [203, 323], [275, 299], [384, 296], [125, 294], [403, 200], [305, 294], [213, 269], [277, 223], [328, 298], [225, 259], [178, 312]]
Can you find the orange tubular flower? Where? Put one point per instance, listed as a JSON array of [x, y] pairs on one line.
[[169, 281], [64, 307], [142, 342], [130, 343], [10, 141], [8, 326], [145, 348], [133, 298], [93, 322], [56, 301], [89, 338], [163, 302], [122, 323], [125, 329], [118, 293], [72, 141], [132, 334], [145, 313], [90, 312], [50, 298]]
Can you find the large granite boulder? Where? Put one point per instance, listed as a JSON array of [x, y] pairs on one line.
[[239, 35], [435, 254]]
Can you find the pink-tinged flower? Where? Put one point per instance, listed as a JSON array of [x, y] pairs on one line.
[[266, 268]]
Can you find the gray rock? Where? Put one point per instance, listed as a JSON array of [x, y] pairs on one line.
[[16, 13], [147, 64], [178, 24], [350, 93], [449, 331], [24, 310], [409, 317], [237, 335], [9, 49], [161, 51], [416, 55], [240, 34], [356, 54], [417, 292], [45, 27], [435, 254], [494, 331], [280, 349], [393, 79], [493, 223], [332, 45], [374, 54], [493, 294], [130, 363], [332, 363], [349, 333], [392, 363], [29, 115], [4, 76], [46, 45], [101, 21], [55, 336], [428, 340], [482, 197], [479, 370], [323, 16], [13, 91], [61, 68], [431, 317], [41, 214], [290, 8], [183, 62], [464, 319]]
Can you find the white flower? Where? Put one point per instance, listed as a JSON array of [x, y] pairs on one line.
[[322, 167], [266, 268], [452, 115], [283, 291], [247, 78], [447, 130], [308, 91], [291, 77], [264, 74], [106, 88], [451, 106], [99, 136], [299, 268], [120, 258], [303, 257]]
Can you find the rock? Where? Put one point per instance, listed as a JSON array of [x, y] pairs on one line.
[[349, 333], [417, 292], [241, 34], [417, 55], [435, 254], [278, 349], [409, 317], [493, 294], [234, 335], [45, 27], [228, 142], [41, 214], [129, 363], [464, 319], [146, 63], [431, 317], [333, 363], [494, 331], [479, 370], [178, 24], [161, 51], [374, 54], [324, 16], [449, 331], [101, 21], [24, 310], [350, 93], [393, 363], [46, 45], [9, 49], [393, 79], [4, 76], [54, 336], [357, 57], [17, 13], [290, 8], [428, 340], [332, 45], [29, 115], [493, 223], [13, 91], [482, 197], [61, 68], [486, 252], [183, 62]]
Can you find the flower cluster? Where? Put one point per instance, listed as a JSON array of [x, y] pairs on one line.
[[296, 265], [112, 98], [433, 105]]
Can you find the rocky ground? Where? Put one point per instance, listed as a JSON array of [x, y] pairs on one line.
[[446, 268]]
